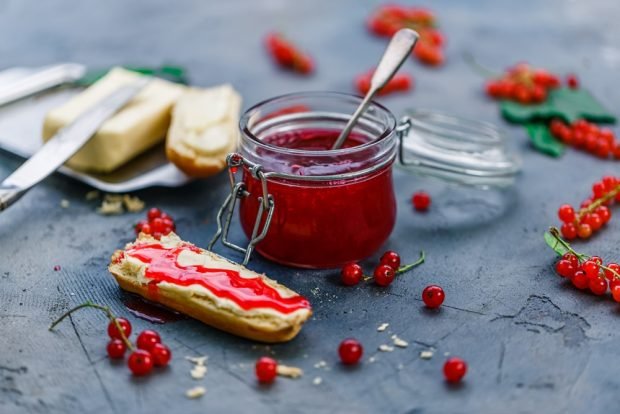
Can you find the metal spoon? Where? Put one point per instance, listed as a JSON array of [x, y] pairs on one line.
[[397, 51]]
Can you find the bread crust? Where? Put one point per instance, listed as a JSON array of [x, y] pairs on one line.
[[194, 166], [263, 326]]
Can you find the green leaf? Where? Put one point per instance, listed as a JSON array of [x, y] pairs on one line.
[[565, 103], [557, 247], [542, 139]]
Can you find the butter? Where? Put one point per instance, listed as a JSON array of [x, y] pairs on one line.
[[139, 125]]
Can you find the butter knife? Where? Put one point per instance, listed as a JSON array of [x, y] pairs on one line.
[[65, 143]]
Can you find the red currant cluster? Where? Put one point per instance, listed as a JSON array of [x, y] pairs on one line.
[[385, 272], [401, 82], [287, 55], [150, 350], [350, 352], [587, 272], [157, 224], [587, 136], [390, 18], [594, 212], [421, 201], [523, 84]]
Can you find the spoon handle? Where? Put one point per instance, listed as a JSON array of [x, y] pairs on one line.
[[398, 50]]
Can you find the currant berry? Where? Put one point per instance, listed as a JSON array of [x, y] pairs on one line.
[[147, 339], [421, 201], [591, 269], [595, 222], [565, 268], [433, 296], [125, 326], [566, 213], [351, 274], [604, 213], [161, 355], [391, 259], [598, 286], [454, 369], [598, 189], [157, 225], [139, 226], [266, 369], [153, 213], [572, 81], [350, 351], [615, 292], [597, 259], [569, 231], [572, 259], [384, 275], [580, 280], [611, 268], [140, 362], [584, 231], [146, 228], [116, 349]]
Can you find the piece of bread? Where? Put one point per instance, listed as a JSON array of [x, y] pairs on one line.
[[138, 126], [204, 130], [210, 288]]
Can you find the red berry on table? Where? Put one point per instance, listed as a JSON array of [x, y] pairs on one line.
[[613, 271], [140, 362], [161, 355], [391, 259], [565, 268], [351, 274], [433, 296], [493, 89], [153, 213], [384, 275], [604, 213], [147, 339], [598, 189], [421, 200], [572, 81], [597, 259], [454, 369], [566, 213], [139, 226], [125, 326], [146, 228], [598, 286], [569, 231], [116, 349], [615, 292], [350, 351], [591, 269], [594, 221], [428, 53], [539, 94], [584, 231], [580, 280], [266, 369], [572, 259]]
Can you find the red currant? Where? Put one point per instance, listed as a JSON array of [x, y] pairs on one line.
[[157, 225], [566, 213], [580, 280], [350, 351], [421, 201], [454, 369], [604, 213], [391, 259], [153, 213], [572, 259], [147, 339], [161, 355], [598, 285], [571, 81], [597, 259], [615, 292], [139, 226], [116, 349], [266, 369], [146, 228], [598, 189], [384, 275], [594, 221], [125, 326], [140, 362], [569, 231], [584, 231], [565, 268], [433, 296], [590, 268], [611, 268], [351, 274]]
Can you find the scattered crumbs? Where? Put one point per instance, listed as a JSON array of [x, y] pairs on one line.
[[290, 372], [428, 354], [195, 392], [64, 203], [401, 343], [446, 354], [132, 204], [198, 372], [315, 291], [320, 364], [400, 367], [385, 348], [92, 195], [372, 359], [108, 208], [383, 327], [57, 268], [317, 380]]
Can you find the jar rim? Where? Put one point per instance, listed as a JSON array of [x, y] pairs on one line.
[[247, 115]]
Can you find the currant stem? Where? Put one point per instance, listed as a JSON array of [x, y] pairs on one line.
[[109, 314], [597, 203], [405, 268]]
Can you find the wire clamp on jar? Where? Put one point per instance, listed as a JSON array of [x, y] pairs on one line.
[[237, 191]]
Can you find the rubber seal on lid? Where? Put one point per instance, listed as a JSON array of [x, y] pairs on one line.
[[456, 149]]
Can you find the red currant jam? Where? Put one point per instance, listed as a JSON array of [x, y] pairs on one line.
[[329, 221]]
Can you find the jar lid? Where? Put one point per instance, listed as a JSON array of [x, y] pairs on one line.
[[456, 149]]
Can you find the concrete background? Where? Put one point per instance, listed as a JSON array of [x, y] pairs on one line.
[[533, 343]]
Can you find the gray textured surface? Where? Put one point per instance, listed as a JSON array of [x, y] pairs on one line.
[[533, 344]]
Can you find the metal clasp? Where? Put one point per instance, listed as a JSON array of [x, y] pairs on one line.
[[237, 191], [402, 130]]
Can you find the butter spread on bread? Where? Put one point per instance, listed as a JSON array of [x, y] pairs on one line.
[[204, 130], [139, 125], [210, 288]]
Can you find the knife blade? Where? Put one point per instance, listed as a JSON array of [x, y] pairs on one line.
[[65, 144]]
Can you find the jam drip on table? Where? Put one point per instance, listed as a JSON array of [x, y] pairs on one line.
[[248, 293]]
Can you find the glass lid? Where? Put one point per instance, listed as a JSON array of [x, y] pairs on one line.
[[456, 149]]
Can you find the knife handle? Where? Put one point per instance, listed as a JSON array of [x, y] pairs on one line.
[[9, 195]]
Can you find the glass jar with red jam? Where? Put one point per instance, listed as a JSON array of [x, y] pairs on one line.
[[325, 207]]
